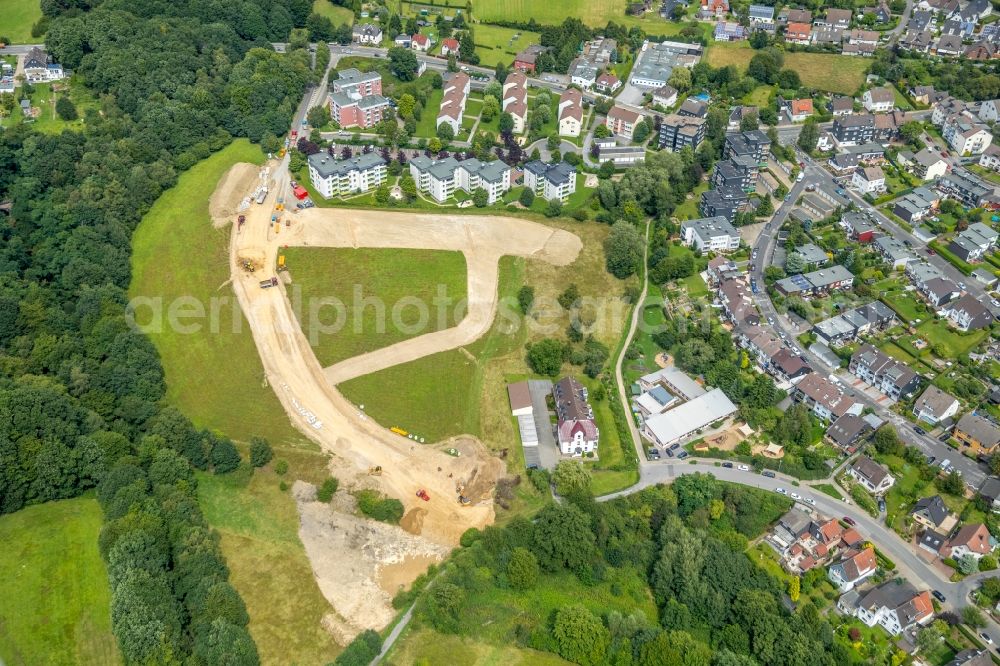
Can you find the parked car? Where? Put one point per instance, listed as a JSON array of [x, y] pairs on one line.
[[796, 496], [681, 455], [653, 454], [781, 491], [881, 504], [727, 465], [850, 521], [675, 446], [930, 251], [919, 430], [931, 459], [986, 638], [937, 595], [768, 473], [743, 468], [811, 501]]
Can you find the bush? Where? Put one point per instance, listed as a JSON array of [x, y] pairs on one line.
[[65, 108], [361, 650], [224, 457], [546, 356], [260, 452], [379, 507], [527, 197], [281, 467], [327, 489]]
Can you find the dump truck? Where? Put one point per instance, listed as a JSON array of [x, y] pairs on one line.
[[281, 262], [267, 284], [262, 195], [422, 494]]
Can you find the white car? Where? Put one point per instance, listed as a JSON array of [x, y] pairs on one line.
[[796, 496], [743, 468], [986, 638], [811, 501], [781, 491]]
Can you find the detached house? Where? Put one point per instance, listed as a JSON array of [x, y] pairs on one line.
[[798, 110], [713, 8], [931, 513], [973, 540], [895, 605], [968, 314], [577, 430], [570, 112], [869, 180], [879, 100], [934, 406], [798, 33], [870, 475], [854, 567], [366, 33]]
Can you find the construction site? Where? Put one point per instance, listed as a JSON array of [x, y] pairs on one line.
[[445, 489]]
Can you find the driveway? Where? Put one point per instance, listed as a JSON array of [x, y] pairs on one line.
[[548, 450]]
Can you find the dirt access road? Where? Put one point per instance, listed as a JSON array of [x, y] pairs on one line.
[[307, 393]]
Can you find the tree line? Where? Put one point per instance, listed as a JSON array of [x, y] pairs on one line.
[[81, 393]]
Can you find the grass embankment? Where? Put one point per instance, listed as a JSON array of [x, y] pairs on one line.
[[823, 71], [335, 13], [495, 44], [18, 17], [217, 380], [407, 286], [55, 605], [591, 12]]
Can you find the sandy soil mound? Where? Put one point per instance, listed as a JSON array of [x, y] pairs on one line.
[[356, 587], [236, 184]]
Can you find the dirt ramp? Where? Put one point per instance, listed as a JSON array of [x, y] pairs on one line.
[[238, 182], [561, 249]]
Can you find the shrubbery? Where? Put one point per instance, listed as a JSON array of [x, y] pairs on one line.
[[377, 506]]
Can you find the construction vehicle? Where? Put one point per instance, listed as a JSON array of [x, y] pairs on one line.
[[240, 221], [453, 452], [375, 471], [399, 431], [281, 263], [247, 265], [464, 501], [267, 284], [422, 494], [262, 195]]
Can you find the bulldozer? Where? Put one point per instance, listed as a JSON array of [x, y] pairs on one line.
[[375, 471]]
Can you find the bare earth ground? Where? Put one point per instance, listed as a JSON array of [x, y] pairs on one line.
[[348, 553]]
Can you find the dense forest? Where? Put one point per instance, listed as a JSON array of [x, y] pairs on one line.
[[81, 393], [707, 603]]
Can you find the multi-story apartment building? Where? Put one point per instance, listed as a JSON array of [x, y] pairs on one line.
[[714, 234], [555, 181], [440, 178], [677, 131], [622, 121], [332, 177]]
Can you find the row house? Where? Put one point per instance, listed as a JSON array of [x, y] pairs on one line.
[[938, 291], [738, 307], [816, 283], [894, 251], [965, 188], [974, 242], [968, 313], [891, 377], [857, 227], [847, 326], [454, 96], [827, 400], [916, 204], [514, 100]]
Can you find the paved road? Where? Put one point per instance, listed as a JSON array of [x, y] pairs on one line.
[[972, 472], [903, 20], [19, 49]]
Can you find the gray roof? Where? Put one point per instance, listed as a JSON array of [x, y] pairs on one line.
[[691, 416], [847, 430], [710, 227], [893, 248], [440, 169], [327, 166], [869, 469], [557, 173], [990, 488], [934, 400], [980, 428], [352, 76], [761, 12], [933, 508], [812, 253]]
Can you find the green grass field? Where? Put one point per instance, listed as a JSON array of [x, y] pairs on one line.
[[335, 13], [44, 99], [427, 125], [426, 646], [437, 396], [495, 44], [55, 604], [17, 18], [216, 379], [823, 71], [591, 12], [394, 277]]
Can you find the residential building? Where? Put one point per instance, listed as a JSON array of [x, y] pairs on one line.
[[929, 165], [797, 110], [852, 130], [934, 406], [622, 121], [366, 33], [990, 492], [713, 8], [790, 15], [932, 513], [989, 111], [665, 96], [711, 234], [918, 41], [893, 378], [449, 46], [978, 433], [916, 205], [922, 94], [570, 112], [835, 18], [858, 227], [972, 540], [966, 137], [848, 431], [973, 243], [841, 105], [577, 430], [948, 46], [965, 188], [938, 291], [754, 143], [677, 131], [454, 96], [681, 422], [879, 100], [853, 568], [515, 100], [849, 325], [525, 60], [440, 178], [798, 33], [693, 108], [418, 42], [990, 157], [968, 314], [870, 475], [38, 69], [894, 251], [816, 282], [761, 16], [739, 172], [869, 180], [355, 83], [607, 83], [332, 177], [552, 181], [827, 400], [723, 201], [827, 34], [583, 73], [354, 110], [729, 31], [895, 605], [738, 307], [972, 657]]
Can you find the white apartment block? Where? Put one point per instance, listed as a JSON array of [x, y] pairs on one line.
[[332, 177], [440, 178], [550, 181]]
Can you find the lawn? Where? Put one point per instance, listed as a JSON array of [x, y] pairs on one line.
[[823, 71], [495, 44], [426, 646], [689, 209], [353, 301], [595, 13], [217, 380], [955, 344], [437, 396], [906, 306], [829, 489], [44, 98], [335, 13], [18, 17], [55, 605], [427, 125], [259, 527]]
